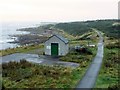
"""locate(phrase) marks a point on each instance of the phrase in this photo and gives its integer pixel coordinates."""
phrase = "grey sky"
(58, 10)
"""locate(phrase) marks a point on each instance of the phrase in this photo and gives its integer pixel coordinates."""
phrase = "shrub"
(20, 74)
(84, 51)
(108, 64)
(114, 87)
(43, 53)
(24, 63)
(25, 47)
(111, 46)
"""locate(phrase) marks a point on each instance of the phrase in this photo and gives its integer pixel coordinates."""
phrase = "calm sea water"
(7, 29)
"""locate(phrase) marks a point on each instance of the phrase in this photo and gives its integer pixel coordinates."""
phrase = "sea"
(7, 29)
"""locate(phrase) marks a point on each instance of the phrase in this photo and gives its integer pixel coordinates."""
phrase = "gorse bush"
(16, 70)
(113, 56)
(114, 86)
(84, 51)
(13, 64)
(115, 45)
(25, 74)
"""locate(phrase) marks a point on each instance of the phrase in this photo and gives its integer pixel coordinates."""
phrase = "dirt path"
(89, 79)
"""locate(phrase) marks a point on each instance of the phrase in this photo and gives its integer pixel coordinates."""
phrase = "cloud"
(59, 10)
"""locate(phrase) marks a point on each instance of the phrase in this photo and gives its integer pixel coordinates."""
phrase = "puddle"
(35, 60)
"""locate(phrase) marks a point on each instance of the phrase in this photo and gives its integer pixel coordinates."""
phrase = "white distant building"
(91, 45)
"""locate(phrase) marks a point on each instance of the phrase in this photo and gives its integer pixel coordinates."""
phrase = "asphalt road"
(89, 79)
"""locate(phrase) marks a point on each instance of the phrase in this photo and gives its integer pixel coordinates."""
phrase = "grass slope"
(109, 27)
(109, 76)
(22, 49)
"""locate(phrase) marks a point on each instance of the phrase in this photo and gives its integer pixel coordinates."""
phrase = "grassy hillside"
(109, 73)
(109, 27)
(74, 28)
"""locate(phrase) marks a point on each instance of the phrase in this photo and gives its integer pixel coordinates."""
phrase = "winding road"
(89, 79)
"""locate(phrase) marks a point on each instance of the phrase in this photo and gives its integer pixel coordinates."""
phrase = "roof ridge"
(61, 38)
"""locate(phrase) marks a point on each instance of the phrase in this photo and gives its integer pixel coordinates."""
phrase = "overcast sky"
(57, 10)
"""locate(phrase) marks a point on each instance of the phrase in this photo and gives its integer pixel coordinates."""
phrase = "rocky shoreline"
(29, 39)
(37, 35)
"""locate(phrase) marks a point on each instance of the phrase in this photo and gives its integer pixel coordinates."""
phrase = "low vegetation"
(73, 28)
(85, 39)
(88, 52)
(27, 75)
(22, 49)
(109, 73)
(80, 57)
(109, 27)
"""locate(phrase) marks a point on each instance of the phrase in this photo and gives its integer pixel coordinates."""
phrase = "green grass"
(77, 57)
(89, 37)
(108, 76)
(65, 34)
(28, 75)
(22, 49)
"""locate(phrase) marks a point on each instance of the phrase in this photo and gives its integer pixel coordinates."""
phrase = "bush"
(108, 64)
(43, 53)
(84, 51)
(24, 63)
(20, 74)
(114, 87)
(38, 76)
(111, 46)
